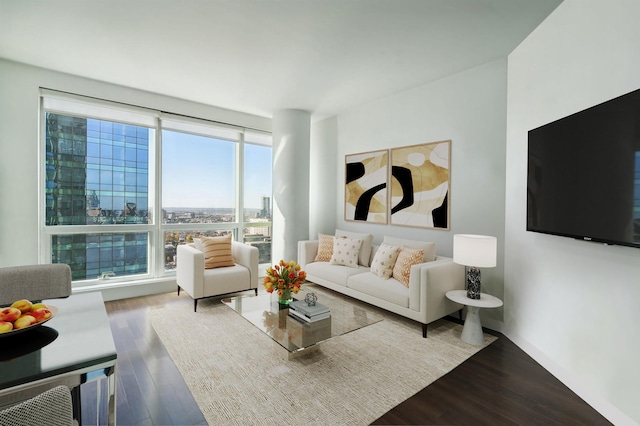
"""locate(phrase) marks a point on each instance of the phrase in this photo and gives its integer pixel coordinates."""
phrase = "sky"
(200, 171)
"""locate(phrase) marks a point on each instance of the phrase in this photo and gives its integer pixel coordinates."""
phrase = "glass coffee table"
(297, 336)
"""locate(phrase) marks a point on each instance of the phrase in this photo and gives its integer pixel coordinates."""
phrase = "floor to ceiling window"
(257, 194)
(123, 186)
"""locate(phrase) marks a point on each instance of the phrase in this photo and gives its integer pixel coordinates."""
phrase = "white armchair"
(199, 282)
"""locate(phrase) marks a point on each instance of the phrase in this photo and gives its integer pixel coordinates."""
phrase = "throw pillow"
(197, 242)
(364, 253)
(217, 252)
(345, 252)
(406, 259)
(429, 248)
(325, 248)
(384, 260)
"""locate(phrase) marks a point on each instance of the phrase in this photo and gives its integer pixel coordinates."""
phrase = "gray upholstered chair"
(34, 282)
(52, 408)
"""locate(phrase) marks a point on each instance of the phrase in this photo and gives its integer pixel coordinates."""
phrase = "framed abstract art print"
(420, 185)
(365, 193)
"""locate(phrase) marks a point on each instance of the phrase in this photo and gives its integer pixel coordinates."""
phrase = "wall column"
(291, 142)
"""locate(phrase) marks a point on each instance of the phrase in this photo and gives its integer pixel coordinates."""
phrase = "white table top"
(485, 301)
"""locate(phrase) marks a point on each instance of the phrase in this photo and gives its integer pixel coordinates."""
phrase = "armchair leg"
(178, 290)
(195, 305)
(424, 330)
(256, 290)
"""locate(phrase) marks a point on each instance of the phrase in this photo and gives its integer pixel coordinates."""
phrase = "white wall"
(573, 305)
(468, 108)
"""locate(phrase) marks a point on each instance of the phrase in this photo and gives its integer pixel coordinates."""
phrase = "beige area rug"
(238, 375)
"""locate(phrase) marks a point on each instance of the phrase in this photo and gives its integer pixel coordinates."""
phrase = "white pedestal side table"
(472, 331)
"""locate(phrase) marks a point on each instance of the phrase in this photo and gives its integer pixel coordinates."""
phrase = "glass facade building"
(97, 173)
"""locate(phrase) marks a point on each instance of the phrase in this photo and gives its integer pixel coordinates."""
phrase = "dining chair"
(52, 408)
(34, 282)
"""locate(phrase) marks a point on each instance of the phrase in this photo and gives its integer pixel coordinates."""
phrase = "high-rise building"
(97, 173)
(265, 212)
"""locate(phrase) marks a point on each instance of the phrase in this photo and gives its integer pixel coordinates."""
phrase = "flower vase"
(285, 298)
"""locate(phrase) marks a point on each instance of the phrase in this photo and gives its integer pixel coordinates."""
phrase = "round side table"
(472, 330)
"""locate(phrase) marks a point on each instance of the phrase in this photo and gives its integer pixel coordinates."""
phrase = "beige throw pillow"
(364, 253)
(217, 252)
(406, 259)
(325, 248)
(428, 247)
(384, 260)
(345, 252)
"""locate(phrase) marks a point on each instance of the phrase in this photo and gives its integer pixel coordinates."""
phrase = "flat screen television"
(583, 174)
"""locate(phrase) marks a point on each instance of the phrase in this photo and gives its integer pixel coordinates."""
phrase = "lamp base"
(473, 282)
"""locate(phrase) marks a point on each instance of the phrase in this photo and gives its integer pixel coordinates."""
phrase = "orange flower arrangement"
(284, 278)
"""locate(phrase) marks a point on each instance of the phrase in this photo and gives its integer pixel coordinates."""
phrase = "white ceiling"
(260, 56)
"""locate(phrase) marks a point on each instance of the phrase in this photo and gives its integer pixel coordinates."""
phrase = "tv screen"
(583, 174)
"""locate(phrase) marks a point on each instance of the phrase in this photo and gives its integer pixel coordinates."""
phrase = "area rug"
(238, 375)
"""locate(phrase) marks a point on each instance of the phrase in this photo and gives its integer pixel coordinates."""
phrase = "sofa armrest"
(190, 270)
(247, 256)
(307, 251)
(432, 280)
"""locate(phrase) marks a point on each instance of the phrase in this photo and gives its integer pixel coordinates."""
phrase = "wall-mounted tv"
(583, 174)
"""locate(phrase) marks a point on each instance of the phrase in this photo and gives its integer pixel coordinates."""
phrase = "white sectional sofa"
(423, 300)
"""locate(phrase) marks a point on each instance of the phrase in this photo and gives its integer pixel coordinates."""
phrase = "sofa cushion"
(428, 247)
(334, 273)
(407, 257)
(365, 249)
(217, 252)
(390, 290)
(325, 248)
(345, 252)
(384, 260)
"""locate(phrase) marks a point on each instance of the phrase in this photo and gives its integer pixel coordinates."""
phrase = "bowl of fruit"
(24, 315)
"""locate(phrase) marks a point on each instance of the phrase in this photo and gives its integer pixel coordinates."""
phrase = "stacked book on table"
(299, 309)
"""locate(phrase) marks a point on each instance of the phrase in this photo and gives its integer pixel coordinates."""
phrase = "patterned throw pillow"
(384, 260)
(365, 249)
(325, 248)
(217, 252)
(345, 252)
(406, 259)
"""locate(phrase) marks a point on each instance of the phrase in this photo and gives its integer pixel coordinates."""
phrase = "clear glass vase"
(286, 297)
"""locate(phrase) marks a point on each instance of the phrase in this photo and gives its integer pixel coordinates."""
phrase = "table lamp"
(474, 251)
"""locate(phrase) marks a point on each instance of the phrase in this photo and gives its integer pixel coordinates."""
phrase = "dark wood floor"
(500, 385)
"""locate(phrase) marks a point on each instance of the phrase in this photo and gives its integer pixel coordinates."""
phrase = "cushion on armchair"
(217, 252)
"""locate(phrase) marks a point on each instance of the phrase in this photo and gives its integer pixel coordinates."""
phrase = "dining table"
(75, 345)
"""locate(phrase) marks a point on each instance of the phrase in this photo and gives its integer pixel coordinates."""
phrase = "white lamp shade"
(475, 250)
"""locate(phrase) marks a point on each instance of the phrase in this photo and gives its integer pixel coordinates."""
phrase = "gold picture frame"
(366, 182)
(420, 185)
